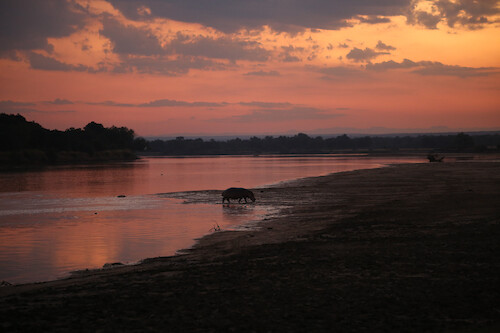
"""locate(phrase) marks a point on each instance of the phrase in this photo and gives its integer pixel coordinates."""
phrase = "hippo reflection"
(237, 193)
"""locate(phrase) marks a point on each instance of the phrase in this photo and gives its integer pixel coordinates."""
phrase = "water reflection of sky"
(66, 218)
(45, 238)
(161, 175)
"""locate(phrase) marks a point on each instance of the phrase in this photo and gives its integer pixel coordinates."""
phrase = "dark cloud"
(129, 39)
(281, 115)
(219, 48)
(359, 55)
(437, 68)
(22, 110)
(472, 14)
(175, 103)
(288, 53)
(391, 64)
(268, 105)
(16, 110)
(26, 24)
(170, 102)
(262, 73)
(339, 71)
(384, 47)
(39, 61)
(11, 55)
(434, 68)
(9, 104)
(289, 58)
(430, 21)
(373, 19)
(162, 103)
(166, 65)
(59, 101)
(111, 103)
(287, 15)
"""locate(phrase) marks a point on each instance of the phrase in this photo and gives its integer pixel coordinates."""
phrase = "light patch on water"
(25, 203)
(43, 238)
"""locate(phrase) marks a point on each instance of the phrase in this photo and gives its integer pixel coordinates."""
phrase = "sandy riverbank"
(404, 248)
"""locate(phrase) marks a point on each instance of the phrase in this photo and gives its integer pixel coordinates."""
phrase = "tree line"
(305, 144)
(23, 142)
(28, 142)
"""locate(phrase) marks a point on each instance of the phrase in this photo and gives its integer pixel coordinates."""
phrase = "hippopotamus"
(237, 193)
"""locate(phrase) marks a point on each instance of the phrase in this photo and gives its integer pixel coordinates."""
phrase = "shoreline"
(380, 248)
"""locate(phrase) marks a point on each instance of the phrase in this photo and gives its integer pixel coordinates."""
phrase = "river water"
(60, 219)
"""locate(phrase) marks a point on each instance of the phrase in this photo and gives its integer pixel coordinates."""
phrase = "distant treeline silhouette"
(23, 142)
(304, 144)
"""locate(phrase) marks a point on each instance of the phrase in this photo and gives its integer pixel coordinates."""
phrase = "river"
(65, 218)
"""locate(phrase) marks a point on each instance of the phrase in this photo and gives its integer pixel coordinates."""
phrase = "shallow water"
(61, 219)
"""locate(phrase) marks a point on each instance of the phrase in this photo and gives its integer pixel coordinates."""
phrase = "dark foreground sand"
(404, 248)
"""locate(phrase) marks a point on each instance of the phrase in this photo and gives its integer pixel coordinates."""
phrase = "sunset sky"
(226, 67)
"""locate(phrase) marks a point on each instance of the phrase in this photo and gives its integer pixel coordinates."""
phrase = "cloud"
(27, 24)
(437, 68)
(10, 104)
(288, 53)
(472, 14)
(219, 48)
(175, 103)
(384, 47)
(268, 105)
(468, 13)
(130, 39)
(169, 102)
(430, 21)
(358, 55)
(161, 103)
(434, 68)
(23, 110)
(111, 103)
(287, 15)
(59, 101)
(263, 73)
(10, 54)
(165, 65)
(391, 64)
(39, 61)
(12, 107)
(339, 71)
(373, 19)
(281, 115)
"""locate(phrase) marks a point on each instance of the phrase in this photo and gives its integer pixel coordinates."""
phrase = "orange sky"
(194, 67)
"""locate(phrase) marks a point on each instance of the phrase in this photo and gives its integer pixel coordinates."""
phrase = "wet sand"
(404, 248)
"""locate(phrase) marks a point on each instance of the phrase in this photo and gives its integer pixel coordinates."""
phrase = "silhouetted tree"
(17, 134)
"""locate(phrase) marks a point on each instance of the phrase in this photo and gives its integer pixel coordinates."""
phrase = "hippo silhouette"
(237, 193)
(435, 158)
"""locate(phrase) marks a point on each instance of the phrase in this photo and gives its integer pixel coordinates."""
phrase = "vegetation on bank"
(28, 143)
(304, 144)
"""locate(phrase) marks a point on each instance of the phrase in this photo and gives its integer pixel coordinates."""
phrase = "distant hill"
(23, 142)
